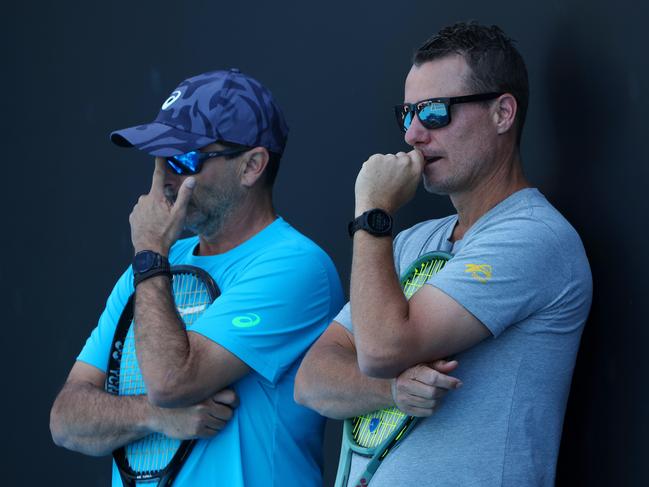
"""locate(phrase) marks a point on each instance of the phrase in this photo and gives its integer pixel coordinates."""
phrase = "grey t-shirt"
(521, 269)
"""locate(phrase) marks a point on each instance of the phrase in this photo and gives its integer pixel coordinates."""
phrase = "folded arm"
(330, 382)
(87, 419)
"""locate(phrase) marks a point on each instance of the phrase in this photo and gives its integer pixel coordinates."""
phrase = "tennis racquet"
(377, 433)
(156, 456)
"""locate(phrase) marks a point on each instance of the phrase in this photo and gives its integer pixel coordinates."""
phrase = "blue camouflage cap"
(225, 106)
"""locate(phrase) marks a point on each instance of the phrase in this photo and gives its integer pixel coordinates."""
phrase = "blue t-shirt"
(279, 291)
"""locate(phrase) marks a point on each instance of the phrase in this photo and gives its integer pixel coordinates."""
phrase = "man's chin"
(190, 230)
(194, 228)
(437, 189)
(194, 222)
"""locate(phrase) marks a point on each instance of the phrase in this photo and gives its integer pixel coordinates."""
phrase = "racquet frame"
(167, 475)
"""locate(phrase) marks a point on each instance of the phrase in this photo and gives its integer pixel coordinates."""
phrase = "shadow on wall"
(584, 82)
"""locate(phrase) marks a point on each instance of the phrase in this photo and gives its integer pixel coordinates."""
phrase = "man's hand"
(388, 181)
(202, 420)
(155, 222)
(417, 390)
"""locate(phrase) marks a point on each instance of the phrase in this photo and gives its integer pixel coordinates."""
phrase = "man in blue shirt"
(227, 379)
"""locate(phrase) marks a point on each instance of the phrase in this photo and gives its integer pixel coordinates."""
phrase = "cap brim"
(158, 139)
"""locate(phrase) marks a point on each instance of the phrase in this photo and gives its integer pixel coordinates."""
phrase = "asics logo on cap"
(169, 101)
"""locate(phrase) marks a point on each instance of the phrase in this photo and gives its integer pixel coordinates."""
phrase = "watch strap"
(159, 266)
(138, 278)
(366, 220)
(353, 226)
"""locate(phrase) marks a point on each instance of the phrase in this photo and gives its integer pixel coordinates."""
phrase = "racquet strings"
(154, 452)
(372, 429)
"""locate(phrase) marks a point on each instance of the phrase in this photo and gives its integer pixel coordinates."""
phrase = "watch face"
(143, 261)
(379, 221)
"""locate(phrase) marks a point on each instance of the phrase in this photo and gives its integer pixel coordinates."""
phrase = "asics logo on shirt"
(480, 272)
(246, 321)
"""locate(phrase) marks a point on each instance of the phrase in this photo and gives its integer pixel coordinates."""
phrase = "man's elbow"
(319, 405)
(70, 443)
(176, 391)
(309, 393)
(166, 391)
(298, 391)
(301, 390)
(167, 396)
(63, 437)
(380, 365)
(57, 429)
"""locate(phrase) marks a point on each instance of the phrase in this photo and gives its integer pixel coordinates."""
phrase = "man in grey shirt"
(509, 307)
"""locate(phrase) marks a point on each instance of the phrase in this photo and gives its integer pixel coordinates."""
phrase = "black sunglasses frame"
(182, 169)
(404, 109)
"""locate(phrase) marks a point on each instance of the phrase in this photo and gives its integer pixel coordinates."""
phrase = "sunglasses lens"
(433, 115)
(178, 169)
(404, 116)
(190, 162)
(407, 120)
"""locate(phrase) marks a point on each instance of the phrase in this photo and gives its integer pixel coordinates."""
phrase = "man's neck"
(250, 218)
(507, 179)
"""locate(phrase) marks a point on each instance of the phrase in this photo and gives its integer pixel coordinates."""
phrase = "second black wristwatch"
(375, 222)
(148, 263)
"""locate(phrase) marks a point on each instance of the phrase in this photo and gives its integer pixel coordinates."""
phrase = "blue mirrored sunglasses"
(434, 113)
(192, 162)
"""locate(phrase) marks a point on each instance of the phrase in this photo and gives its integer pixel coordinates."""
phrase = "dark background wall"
(75, 71)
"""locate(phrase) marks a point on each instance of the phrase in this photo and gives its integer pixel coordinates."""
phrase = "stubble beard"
(208, 211)
(440, 188)
(460, 179)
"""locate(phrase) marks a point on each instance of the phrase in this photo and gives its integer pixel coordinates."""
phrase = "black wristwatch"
(375, 222)
(148, 263)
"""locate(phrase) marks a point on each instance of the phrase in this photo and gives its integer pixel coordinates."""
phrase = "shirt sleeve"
(95, 351)
(344, 317)
(275, 311)
(506, 273)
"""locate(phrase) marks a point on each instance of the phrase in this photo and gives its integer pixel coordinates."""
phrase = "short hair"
(496, 65)
(270, 173)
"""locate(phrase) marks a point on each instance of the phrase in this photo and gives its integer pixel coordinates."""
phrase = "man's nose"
(417, 134)
(171, 176)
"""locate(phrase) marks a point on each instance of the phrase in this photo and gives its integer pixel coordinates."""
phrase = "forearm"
(87, 419)
(179, 368)
(379, 308)
(161, 339)
(330, 382)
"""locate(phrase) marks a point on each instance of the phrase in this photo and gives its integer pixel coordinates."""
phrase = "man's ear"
(504, 115)
(254, 164)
